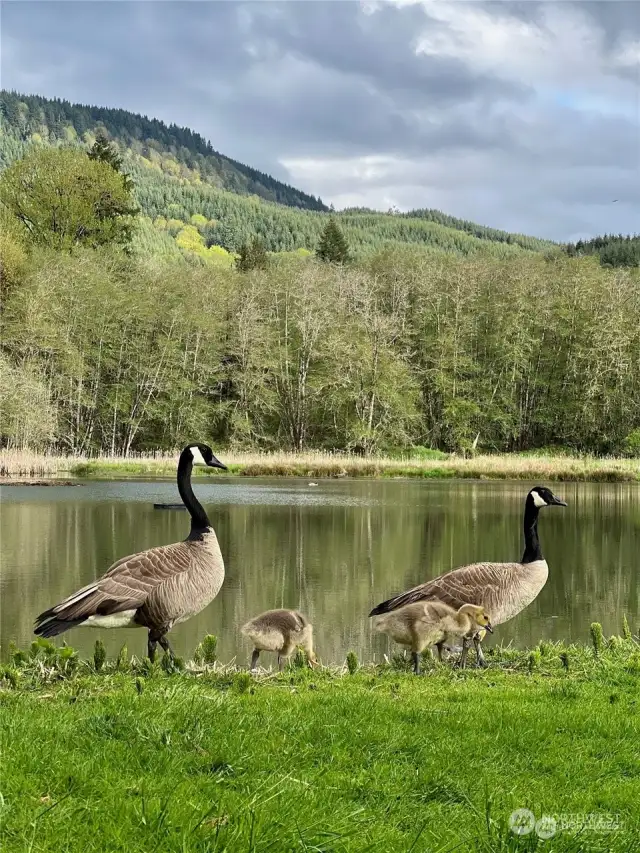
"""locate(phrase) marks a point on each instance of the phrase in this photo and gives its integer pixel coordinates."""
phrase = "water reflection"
(332, 551)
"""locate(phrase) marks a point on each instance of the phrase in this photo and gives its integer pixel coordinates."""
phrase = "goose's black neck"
(532, 550)
(199, 519)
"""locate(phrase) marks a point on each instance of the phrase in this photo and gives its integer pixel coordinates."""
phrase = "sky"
(519, 115)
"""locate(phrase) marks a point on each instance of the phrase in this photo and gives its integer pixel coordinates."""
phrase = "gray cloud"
(525, 116)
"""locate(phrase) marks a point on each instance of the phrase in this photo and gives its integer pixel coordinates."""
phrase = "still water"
(331, 550)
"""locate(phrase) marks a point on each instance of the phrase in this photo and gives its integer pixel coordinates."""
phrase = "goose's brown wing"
(126, 585)
(479, 583)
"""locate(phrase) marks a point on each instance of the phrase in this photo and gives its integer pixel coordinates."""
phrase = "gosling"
(428, 623)
(280, 631)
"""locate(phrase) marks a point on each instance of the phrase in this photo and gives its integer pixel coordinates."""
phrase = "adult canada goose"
(155, 589)
(503, 589)
(426, 623)
(280, 631)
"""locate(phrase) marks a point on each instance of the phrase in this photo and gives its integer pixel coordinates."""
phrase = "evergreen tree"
(105, 152)
(252, 256)
(333, 247)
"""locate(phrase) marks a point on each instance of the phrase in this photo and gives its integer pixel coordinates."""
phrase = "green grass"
(133, 759)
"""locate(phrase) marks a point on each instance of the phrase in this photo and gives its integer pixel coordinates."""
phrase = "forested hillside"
(178, 149)
(196, 201)
(127, 331)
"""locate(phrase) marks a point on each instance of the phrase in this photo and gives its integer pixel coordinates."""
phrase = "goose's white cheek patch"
(198, 458)
(538, 499)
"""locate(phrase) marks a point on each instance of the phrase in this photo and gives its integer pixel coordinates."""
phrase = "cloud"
(524, 116)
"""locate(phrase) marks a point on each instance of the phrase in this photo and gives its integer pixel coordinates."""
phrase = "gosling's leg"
(439, 647)
(254, 658)
(480, 661)
(466, 642)
(415, 657)
(280, 662)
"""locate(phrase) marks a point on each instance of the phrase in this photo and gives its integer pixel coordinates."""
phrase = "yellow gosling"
(428, 623)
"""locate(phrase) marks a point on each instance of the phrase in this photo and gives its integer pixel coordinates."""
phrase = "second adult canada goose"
(503, 589)
(155, 589)
(426, 623)
(280, 631)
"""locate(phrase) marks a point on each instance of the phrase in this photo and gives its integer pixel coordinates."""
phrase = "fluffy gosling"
(280, 631)
(426, 623)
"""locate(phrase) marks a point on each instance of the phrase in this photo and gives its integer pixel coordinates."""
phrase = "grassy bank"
(132, 758)
(316, 464)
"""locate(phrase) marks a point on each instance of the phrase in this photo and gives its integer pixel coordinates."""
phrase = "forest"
(135, 318)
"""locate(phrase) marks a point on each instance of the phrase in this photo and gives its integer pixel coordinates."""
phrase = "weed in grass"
(597, 638)
(122, 661)
(352, 663)
(633, 664)
(242, 682)
(99, 655)
(207, 650)
(626, 630)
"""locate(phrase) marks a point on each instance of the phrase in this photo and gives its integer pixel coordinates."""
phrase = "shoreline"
(33, 469)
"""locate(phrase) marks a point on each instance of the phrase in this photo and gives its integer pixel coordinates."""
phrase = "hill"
(55, 120)
(195, 199)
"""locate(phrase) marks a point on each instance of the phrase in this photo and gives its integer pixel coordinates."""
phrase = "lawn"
(132, 758)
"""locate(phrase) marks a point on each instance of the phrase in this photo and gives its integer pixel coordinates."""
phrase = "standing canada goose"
(155, 589)
(426, 623)
(280, 631)
(503, 589)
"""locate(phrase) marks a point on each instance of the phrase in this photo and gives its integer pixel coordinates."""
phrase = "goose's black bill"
(216, 463)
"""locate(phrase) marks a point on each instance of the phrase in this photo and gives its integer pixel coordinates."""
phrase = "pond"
(332, 550)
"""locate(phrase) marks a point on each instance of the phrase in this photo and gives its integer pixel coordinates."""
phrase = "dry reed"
(21, 464)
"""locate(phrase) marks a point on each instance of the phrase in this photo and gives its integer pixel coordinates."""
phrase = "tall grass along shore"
(125, 756)
(24, 465)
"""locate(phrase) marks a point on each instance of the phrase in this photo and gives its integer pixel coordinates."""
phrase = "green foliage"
(420, 356)
(63, 199)
(534, 660)
(99, 655)
(333, 247)
(612, 250)
(242, 682)
(352, 663)
(626, 630)
(176, 151)
(565, 659)
(597, 638)
(207, 651)
(105, 152)
(252, 256)
(632, 443)
(9, 675)
(122, 661)
(300, 659)
(633, 664)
